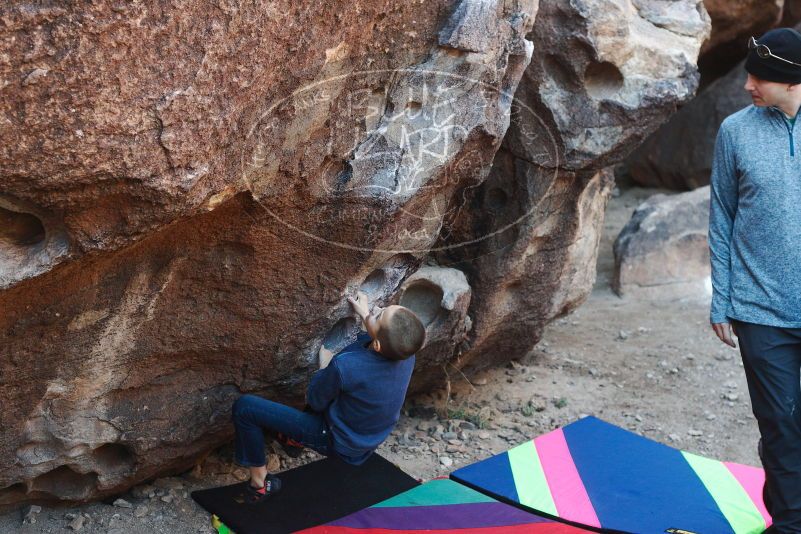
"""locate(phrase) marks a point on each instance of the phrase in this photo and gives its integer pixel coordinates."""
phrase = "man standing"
(755, 252)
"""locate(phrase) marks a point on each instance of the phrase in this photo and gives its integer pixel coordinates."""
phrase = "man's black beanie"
(785, 43)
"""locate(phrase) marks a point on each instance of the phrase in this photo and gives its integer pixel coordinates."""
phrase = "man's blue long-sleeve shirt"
(361, 394)
(755, 219)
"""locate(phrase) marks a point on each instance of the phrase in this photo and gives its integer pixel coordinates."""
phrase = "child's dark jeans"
(252, 414)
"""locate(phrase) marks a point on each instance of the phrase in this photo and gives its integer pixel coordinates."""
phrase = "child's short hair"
(402, 334)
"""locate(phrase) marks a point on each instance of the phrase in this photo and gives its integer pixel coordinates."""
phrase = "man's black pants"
(772, 362)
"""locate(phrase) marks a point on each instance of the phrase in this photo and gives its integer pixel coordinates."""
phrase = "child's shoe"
(253, 495)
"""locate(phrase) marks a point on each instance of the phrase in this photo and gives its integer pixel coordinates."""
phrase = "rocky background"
(191, 191)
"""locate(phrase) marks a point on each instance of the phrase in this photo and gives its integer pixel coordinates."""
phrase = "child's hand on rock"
(325, 356)
(360, 305)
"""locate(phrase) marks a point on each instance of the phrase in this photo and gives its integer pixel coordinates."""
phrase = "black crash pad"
(310, 495)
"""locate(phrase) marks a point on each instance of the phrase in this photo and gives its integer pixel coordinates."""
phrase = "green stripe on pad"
(221, 527)
(532, 488)
(435, 492)
(732, 499)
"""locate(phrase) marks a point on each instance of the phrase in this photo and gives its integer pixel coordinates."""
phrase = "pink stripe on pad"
(567, 489)
(751, 479)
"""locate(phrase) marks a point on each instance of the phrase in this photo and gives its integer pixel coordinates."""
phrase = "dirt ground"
(654, 367)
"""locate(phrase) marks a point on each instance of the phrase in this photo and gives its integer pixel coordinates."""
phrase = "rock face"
(533, 265)
(663, 252)
(606, 75)
(191, 191)
(31, 242)
(679, 154)
(791, 13)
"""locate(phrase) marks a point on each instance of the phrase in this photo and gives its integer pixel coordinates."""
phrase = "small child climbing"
(354, 400)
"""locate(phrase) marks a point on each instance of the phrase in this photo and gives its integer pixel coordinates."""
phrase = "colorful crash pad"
(596, 474)
(442, 506)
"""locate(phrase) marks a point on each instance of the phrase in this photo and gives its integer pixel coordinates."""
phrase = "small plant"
(457, 413)
(531, 407)
(478, 418)
(561, 402)
(528, 409)
(465, 415)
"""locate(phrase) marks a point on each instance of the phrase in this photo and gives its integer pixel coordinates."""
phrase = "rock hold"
(440, 296)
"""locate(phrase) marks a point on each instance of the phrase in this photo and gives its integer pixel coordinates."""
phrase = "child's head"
(396, 331)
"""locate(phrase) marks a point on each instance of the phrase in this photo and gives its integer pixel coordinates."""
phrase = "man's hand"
(724, 331)
(325, 356)
(360, 305)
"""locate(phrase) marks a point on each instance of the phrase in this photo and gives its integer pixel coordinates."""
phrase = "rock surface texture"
(191, 190)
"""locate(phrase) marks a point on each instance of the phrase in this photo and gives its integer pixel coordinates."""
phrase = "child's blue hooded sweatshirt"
(755, 219)
(361, 394)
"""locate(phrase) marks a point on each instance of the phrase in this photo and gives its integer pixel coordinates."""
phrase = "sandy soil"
(654, 367)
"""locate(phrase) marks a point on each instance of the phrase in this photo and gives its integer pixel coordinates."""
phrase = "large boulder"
(536, 260)
(663, 251)
(191, 190)
(606, 75)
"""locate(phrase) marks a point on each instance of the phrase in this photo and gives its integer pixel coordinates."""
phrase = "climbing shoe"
(254, 495)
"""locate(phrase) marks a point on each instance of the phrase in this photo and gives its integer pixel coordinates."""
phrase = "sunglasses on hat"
(764, 52)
